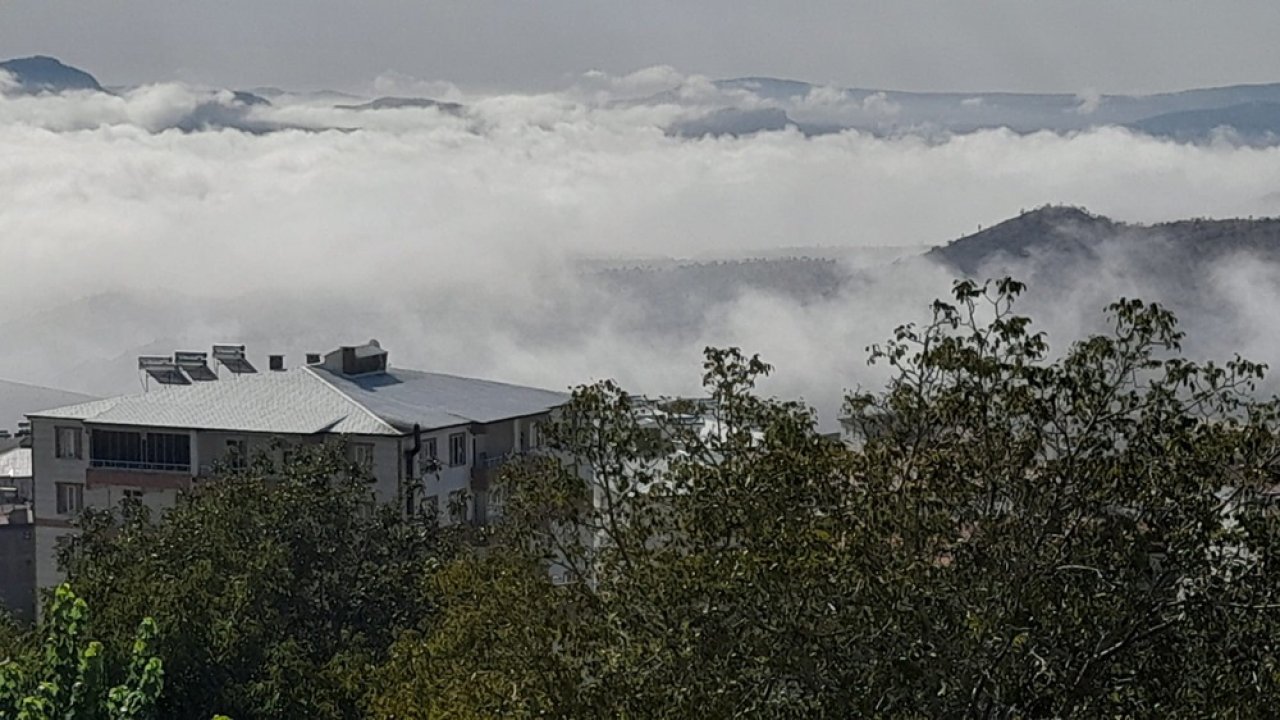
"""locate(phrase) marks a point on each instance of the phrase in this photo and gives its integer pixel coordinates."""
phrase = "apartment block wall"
(18, 570)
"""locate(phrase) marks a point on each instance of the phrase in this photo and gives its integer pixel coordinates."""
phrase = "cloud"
(879, 105)
(639, 84)
(396, 84)
(465, 244)
(824, 96)
(1090, 100)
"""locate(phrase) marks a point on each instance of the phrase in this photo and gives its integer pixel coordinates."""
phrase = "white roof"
(307, 401)
(15, 463)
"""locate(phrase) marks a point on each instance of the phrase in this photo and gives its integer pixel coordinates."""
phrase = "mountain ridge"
(41, 73)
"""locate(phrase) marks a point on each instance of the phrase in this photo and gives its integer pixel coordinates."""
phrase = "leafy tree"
(1018, 534)
(276, 590)
(15, 639)
(70, 678)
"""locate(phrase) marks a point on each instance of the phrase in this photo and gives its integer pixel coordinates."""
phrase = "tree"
(70, 678)
(1018, 535)
(276, 590)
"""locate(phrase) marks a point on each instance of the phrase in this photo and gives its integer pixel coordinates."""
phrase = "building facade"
(17, 531)
(432, 442)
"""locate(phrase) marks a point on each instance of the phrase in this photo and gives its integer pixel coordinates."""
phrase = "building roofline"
(311, 371)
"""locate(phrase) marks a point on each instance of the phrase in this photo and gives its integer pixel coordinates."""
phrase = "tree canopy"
(275, 589)
(1016, 534)
(1012, 532)
(70, 676)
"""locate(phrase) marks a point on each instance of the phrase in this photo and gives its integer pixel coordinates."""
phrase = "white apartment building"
(158, 443)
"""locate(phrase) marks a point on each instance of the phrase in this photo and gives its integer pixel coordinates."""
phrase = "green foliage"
(1017, 535)
(70, 677)
(276, 590)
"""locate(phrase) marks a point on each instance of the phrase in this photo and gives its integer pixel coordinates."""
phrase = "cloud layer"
(460, 241)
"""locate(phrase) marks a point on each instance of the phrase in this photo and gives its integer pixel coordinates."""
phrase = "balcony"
(486, 466)
(171, 477)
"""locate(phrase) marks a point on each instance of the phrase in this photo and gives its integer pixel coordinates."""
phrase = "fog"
(461, 241)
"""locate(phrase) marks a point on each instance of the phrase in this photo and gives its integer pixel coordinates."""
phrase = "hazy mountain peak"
(41, 73)
(1059, 228)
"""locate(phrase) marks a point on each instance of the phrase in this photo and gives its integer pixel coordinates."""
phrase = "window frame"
(236, 453)
(140, 450)
(459, 507)
(64, 494)
(363, 448)
(458, 451)
(77, 443)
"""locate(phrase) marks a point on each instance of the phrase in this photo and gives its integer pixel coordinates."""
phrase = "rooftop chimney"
(276, 362)
(357, 359)
(313, 358)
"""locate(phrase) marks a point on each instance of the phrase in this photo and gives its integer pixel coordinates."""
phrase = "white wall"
(449, 478)
(49, 469)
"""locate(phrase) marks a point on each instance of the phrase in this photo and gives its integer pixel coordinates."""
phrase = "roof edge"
(311, 371)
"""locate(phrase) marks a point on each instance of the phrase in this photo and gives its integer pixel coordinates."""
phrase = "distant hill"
(732, 121)
(18, 399)
(1065, 231)
(396, 103)
(817, 109)
(1256, 122)
(1062, 240)
(309, 96)
(251, 99)
(45, 74)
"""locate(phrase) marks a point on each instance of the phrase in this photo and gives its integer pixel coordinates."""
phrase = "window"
(497, 503)
(153, 451)
(66, 443)
(70, 498)
(362, 455)
(236, 455)
(133, 494)
(429, 450)
(458, 506)
(457, 449)
(167, 451)
(113, 448)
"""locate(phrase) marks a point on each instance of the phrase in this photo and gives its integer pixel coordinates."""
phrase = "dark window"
(152, 451)
(167, 451)
(458, 449)
(113, 448)
(67, 442)
(237, 456)
(70, 498)
(458, 506)
(362, 454)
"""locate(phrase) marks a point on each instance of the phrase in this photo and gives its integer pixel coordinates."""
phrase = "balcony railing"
(141, 465)
(496, 460)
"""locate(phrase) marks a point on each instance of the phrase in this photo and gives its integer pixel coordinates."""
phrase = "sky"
(458, 241)
(464, 242)
(1072, 46)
